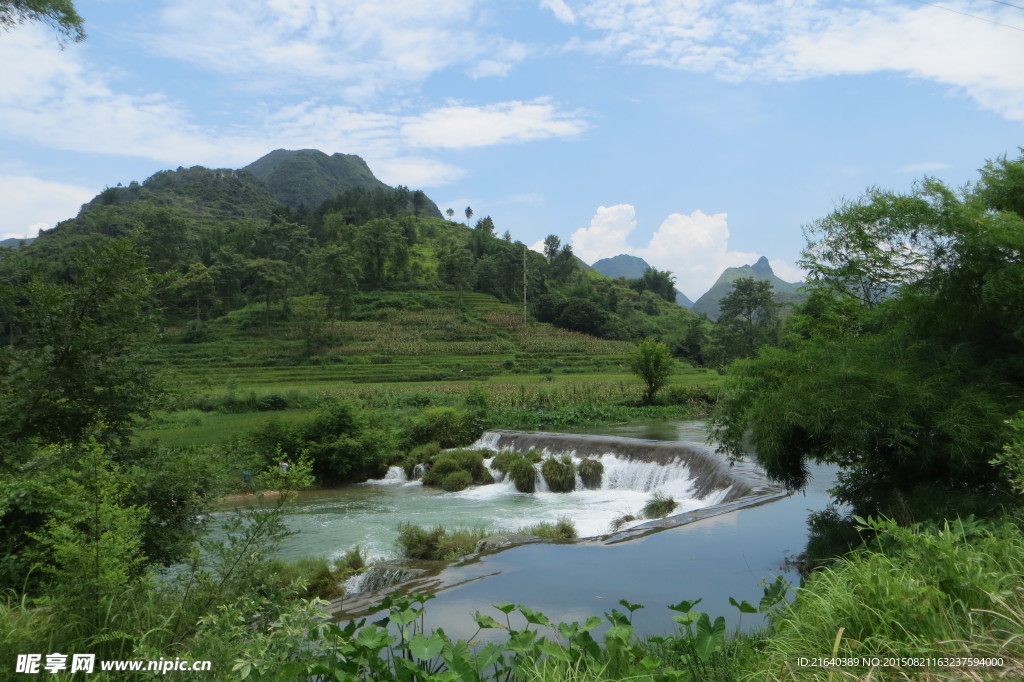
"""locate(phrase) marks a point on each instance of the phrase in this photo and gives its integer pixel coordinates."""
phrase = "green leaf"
(629, 606)
(684, 606)
(743, 606)
(486, 622)
(505, 607)
(426, 648)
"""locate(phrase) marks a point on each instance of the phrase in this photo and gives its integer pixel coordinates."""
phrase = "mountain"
(631, 267)
(785, 292)
(308, 177)
(623, 265)
(15, 242)
(283, 178)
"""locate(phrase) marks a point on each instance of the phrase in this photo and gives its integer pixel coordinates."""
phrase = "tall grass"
(919, 592)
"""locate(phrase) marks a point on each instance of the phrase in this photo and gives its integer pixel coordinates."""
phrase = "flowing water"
(738, 531)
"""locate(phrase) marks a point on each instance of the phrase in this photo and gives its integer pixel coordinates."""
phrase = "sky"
(697, 135)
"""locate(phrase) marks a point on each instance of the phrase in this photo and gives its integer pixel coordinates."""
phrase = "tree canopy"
(908, 359)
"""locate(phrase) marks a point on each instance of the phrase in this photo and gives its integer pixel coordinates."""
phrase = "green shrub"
(591, 472)
(522, 474)
(438, 543)
(562, 529)
(660, 505)
(446, 426)
(313, 576)
(559, 473)
(456, 481)
(447, 463)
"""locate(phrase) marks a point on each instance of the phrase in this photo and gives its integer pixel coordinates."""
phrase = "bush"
(660, 505)
(445, 464)
(591, 473)
(522, 474)
(446, 426)
(560, 474)
(456, 481)
(562, 529)
(438, 543)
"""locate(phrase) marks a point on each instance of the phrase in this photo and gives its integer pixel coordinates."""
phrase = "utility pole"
(524, 283)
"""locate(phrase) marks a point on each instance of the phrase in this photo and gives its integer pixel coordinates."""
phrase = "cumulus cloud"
(607, 234)
(694, 247)
(786, 40)
(31, 204)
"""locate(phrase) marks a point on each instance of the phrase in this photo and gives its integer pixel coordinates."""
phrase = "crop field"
(393, 352)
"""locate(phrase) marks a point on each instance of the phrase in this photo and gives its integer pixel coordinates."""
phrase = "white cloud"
(459, 126)
(607, 234)
(924, 167)
(57, 99)
(694, 247)
(31, 204)
(367, 47)
(797, 39)
(560, 10)
(787, 272)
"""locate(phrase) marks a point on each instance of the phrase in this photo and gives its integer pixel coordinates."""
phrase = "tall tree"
(748, 319)
(79, 356)
(469, 213)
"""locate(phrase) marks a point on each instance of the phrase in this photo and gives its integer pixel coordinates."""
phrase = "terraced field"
(438, 339)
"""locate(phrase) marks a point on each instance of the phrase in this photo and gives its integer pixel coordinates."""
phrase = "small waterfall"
(418, 471)
(394, 476)
(630, 463)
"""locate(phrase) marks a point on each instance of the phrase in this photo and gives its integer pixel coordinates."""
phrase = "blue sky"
(697, 135)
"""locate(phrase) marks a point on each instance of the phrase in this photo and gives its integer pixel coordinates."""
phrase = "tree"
(450, 213)
(382, 250)
(60, 14)
(867, 249)
(662, 283)
(469, 213)
(908, 393)
(551, 245)
(79, 355)
(455, 268)
(748, 318)
(652, 362)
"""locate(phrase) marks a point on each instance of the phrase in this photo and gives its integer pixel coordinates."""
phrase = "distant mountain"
(623, 265)
(785, 292)
(15, 242)
(309, 177)
(631, 267)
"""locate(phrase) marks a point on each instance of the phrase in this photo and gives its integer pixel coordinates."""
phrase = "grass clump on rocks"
(559, 473)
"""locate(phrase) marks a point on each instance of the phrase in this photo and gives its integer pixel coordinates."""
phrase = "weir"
(636, 464)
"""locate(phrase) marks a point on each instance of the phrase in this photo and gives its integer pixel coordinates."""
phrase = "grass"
(447, 544)
(659, 506)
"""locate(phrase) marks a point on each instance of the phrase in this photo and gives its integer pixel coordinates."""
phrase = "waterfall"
(687, 469)
(394, 476)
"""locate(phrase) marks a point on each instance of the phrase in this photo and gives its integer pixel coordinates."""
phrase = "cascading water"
(333, 521)
(691, 469)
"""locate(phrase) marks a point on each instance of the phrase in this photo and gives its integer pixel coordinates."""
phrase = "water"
(715, 558)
